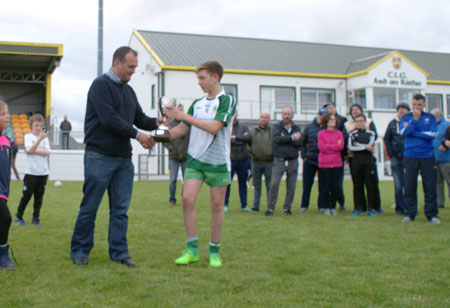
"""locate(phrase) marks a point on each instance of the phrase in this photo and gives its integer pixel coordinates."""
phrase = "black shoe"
(268, 213)
(441, 206)
(255, 209)
(288, 212)
(80, 261)
(128, 262)
(342, 207)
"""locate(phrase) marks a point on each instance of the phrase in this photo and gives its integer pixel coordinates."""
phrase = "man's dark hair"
(326, 118)
(361, 115)
(121, 52)
(418, 97)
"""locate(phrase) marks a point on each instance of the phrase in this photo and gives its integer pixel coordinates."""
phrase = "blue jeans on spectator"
(397, 174)
(101, 173)
(428, 173)
(309, 174)
(258, 170)
(241, 167)
(174, 166)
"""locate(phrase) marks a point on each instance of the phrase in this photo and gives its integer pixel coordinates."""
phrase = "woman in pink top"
(331, 143)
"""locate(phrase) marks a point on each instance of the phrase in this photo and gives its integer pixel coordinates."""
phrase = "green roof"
(276, 56)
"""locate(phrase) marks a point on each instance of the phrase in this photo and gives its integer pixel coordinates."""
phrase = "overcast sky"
(400, 24)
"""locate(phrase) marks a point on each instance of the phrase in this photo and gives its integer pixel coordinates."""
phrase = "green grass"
(306, 260)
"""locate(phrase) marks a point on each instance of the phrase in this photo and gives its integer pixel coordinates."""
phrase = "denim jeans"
(427, 168)
(174, 166)
(241, 167)
(101, 173)
(258, 170)
(397, 174)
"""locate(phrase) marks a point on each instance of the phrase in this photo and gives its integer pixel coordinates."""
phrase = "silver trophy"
(162, 134)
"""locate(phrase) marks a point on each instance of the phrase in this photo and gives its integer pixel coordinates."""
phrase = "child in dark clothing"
(363, 167)
(5, 176)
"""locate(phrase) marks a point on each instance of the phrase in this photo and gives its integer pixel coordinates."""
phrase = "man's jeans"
(443, 176)
(279, 167)
(174, 166)
(258, 170)
(241, 167)
(427, 169)
(101, 173)
(397, 174)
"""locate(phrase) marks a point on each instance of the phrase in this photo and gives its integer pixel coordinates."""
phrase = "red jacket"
(331, 143)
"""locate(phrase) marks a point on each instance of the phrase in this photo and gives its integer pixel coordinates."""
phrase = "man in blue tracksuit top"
(419, 129)
(112, 111)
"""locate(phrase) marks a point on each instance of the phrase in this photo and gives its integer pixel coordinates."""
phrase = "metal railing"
(63, 141)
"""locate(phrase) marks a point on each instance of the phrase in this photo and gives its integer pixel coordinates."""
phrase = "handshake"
(146, 141)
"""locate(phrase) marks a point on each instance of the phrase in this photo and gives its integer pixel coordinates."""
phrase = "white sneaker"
(327, 212)
(334, 212)
(406, 219)
(435, 220)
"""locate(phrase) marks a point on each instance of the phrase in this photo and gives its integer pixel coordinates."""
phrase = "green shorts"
(212, 178)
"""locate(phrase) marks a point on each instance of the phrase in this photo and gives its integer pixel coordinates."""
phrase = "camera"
(44, 128)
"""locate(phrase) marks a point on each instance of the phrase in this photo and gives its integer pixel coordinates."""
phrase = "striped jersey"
(207, 151)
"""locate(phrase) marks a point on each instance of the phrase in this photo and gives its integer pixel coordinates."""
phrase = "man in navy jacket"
(419, 129)
(112, 111)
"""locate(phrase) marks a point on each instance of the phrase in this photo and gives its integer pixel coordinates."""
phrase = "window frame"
(333, 90)
(274, 112)
(434, 94)
(235, 85)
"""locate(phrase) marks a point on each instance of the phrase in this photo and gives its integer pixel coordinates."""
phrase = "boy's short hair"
(212, 67)
(418, 97)
(361, 115)
(36, 118)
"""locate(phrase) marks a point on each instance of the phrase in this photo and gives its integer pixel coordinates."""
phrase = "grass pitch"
(305, 260)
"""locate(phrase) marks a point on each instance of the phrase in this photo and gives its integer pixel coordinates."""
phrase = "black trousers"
(309, 173)
(427, 169)
(32, 185)
(5, 222)
(365, 177)
(329, 186)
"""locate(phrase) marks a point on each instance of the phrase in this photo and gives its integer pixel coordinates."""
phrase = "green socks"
(214, 248)
(192, 244)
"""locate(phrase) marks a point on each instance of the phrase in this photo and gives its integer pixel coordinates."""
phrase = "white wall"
(183, 86)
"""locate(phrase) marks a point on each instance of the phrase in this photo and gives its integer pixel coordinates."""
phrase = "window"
(273, 100)
(388, 98)
(448, 106)
(384, 98)
(433, 101)
(406, 95)
(357, 97)
(313, 99)
(230, 89)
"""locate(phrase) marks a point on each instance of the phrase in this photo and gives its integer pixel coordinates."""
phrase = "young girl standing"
(5, 176)
(330, 142)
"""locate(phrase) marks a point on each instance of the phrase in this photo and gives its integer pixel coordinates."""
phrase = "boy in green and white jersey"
(208, 157)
